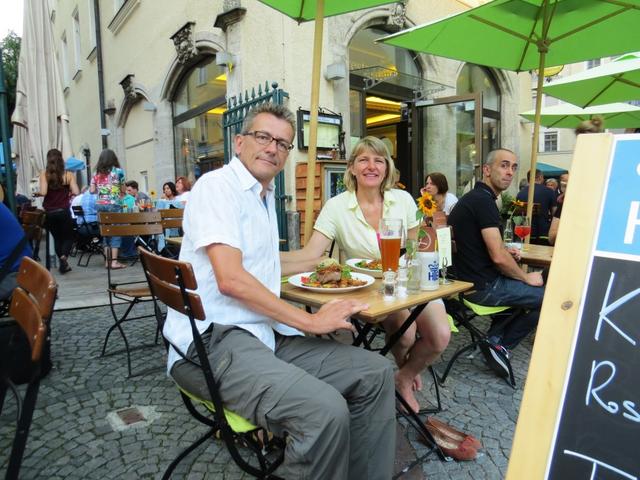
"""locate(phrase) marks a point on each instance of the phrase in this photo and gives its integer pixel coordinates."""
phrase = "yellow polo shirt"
(342, 219)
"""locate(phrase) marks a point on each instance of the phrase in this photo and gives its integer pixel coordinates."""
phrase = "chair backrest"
(33, 223)
(164, 283)
(38, 282)
(129, 224)
(78, 211)
(172, 217)
(27, 313)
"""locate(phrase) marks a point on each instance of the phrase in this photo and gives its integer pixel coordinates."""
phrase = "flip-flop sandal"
(118, 267)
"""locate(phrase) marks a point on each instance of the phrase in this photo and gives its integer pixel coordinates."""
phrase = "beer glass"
(390, 239)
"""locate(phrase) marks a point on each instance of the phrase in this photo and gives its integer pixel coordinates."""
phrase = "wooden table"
(537, 255)
(378, 309)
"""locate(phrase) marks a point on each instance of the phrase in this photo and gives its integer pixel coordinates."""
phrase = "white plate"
(296, 280)
(352, 263)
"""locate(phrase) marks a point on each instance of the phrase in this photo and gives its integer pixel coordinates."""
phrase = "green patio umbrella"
(522, 35)
(617, 81)
(615, 115)
(317, 10)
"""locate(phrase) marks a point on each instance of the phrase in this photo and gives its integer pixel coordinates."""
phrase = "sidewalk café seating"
(88, 240)
(463, 312)
(31, 306)
(172, 282)
(131, 292)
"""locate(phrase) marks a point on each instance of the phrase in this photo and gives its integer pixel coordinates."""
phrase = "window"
(92, 23)
(551, 141)
(76, 40)
(593, 63)
(198, 106)
(64, 60)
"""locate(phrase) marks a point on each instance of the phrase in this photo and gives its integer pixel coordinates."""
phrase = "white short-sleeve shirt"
(450, 201)
(225, 207)
(342, 219)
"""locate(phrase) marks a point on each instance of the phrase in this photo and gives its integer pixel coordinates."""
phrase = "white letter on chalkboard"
(611, 407)
(597, 463)
(631, 407)
(607, 309)
(632, 222)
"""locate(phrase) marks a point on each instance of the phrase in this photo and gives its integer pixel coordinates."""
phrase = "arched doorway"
(382, 79)
(455, 134)
(198, 105)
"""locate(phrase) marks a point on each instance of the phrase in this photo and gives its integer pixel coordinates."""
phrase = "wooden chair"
(131, 292)
(88, 240)
(173, 283)
(171, 218)
(32, 306)
(33, 226)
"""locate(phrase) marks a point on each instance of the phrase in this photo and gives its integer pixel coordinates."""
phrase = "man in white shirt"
(335, 402)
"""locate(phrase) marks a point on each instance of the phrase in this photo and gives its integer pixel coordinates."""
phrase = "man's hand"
(515, 253)
(335, 315)
(534, 279)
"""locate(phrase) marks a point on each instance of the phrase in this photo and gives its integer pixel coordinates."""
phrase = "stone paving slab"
(71, 437)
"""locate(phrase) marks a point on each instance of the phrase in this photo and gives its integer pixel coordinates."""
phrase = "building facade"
(169, 70)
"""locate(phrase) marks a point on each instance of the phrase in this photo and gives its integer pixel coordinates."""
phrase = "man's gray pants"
(335, 402)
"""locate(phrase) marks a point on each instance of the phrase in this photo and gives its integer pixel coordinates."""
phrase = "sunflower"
(427, 205)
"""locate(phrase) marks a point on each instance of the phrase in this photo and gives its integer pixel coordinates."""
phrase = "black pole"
(103, 115)
(4, 132)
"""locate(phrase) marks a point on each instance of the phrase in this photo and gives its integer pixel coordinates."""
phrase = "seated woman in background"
(436, 184)
(169, 191)
(183, 187)
(352, 220)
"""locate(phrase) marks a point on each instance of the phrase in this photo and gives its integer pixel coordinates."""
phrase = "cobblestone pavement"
(71, 436)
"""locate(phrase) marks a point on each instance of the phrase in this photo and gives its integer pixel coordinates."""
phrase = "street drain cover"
(132, 417)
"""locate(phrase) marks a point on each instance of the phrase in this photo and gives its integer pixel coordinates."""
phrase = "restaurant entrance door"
(448, 139)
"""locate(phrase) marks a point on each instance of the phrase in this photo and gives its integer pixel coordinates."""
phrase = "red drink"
(390, 252)
(522, 231)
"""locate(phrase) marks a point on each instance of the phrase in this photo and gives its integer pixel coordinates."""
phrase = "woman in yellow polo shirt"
(351, 219)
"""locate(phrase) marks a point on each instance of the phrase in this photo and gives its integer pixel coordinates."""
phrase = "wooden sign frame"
(553, 351)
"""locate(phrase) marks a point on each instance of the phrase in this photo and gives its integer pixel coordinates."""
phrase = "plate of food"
(366, 265)
(331, 277)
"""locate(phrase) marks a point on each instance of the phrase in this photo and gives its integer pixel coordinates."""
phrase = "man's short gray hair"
(278, 111)
(491, 157)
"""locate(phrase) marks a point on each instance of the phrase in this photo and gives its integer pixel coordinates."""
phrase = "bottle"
(507, 234)
(403, 278)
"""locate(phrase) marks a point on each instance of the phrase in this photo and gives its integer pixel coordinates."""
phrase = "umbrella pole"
(313, 121)
(534, 141)
(4, 132)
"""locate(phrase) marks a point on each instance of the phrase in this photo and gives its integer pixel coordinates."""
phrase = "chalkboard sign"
(585, 423)
(599, 426)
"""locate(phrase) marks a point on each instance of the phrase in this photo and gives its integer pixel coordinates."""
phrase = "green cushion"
(484, 310)
(237, 423)
(452, 325)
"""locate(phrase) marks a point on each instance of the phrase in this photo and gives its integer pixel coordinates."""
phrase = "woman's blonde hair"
(378, 147)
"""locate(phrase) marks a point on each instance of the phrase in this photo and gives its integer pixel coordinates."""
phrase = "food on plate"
(330, 274)
(370, 264)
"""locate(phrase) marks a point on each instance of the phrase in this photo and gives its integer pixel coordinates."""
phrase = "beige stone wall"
(266, 45)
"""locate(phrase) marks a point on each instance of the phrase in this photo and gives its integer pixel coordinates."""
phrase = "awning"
(550, 170)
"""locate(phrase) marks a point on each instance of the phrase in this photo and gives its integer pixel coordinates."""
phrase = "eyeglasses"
(264, 138)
